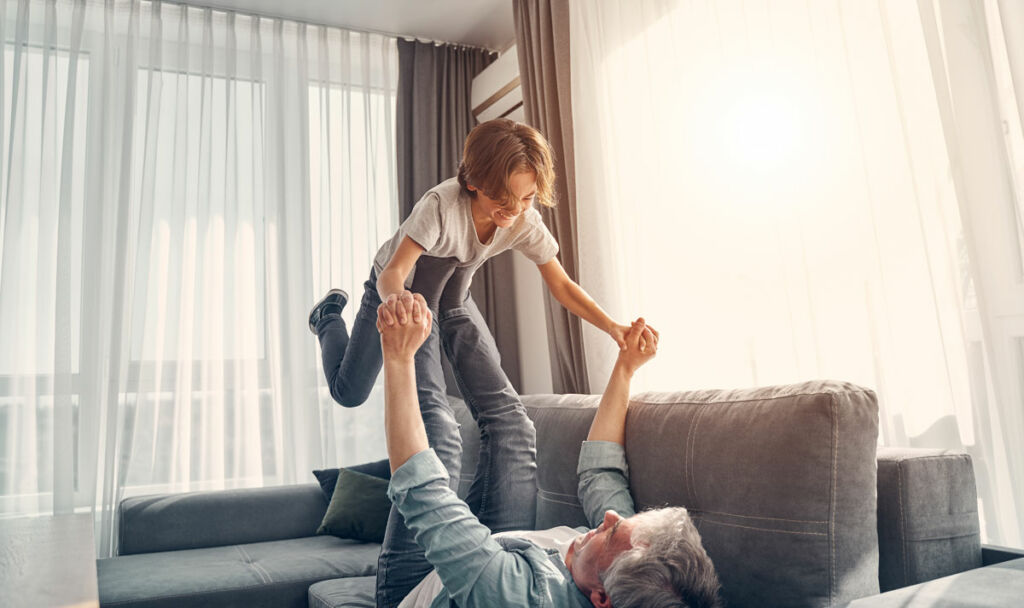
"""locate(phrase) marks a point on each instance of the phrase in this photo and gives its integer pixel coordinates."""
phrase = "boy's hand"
(391, 301)
(641, 347)
(619, 333)
(404, 324)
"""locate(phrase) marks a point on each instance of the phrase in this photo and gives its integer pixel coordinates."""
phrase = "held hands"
(404, 322)
(641, 345)
(620, 333)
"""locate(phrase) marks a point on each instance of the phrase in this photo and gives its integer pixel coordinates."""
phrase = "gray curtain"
(433, 117)
(542, 41)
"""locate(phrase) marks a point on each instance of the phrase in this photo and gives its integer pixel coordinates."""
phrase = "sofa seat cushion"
(996, 585)
(355, 592)
(276, 573)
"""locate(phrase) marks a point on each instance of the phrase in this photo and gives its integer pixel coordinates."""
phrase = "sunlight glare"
(761, 128)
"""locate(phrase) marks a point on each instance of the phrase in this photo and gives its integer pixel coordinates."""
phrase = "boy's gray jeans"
(503, 491)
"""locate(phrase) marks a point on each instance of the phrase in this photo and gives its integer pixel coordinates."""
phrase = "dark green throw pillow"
(359, 508)
(328, 478)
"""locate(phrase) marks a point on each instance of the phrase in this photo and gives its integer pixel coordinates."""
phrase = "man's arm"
(604, 476)
(403, 324)
(610, 422)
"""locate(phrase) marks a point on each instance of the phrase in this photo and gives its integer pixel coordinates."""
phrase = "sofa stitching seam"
(559, 494)
(954, 456)
(693, 450)
(634, 400)
(689, 460)
(903, 523)
(721, 523)
(133, 602)
(264, 577)
(952, 537)
(832, 507)
(796, 521)
(562, 502)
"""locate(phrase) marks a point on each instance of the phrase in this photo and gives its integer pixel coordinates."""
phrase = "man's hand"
(404, 323)
(641, 345)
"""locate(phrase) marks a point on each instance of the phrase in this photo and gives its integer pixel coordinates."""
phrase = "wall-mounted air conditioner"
(496, 92)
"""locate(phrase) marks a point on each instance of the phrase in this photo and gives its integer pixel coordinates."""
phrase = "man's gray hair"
(667, 566)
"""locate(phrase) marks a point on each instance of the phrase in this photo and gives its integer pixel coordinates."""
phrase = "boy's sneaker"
(330, 304)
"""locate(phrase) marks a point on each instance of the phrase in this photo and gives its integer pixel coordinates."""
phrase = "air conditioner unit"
(495, 92)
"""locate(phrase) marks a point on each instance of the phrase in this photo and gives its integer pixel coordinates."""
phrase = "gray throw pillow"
(359, 508)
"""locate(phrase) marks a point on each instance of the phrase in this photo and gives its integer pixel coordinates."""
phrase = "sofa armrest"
(169, 522)
(927, 516)
(994, 554)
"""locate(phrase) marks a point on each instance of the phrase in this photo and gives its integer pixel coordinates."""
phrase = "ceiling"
(484, 23)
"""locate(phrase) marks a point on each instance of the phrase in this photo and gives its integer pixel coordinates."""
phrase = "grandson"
(450, 232)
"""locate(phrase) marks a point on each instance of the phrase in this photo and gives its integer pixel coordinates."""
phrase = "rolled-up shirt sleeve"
(474, 568)
(604, 480)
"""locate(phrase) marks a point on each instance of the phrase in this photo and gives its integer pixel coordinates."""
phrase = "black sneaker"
(332, 303)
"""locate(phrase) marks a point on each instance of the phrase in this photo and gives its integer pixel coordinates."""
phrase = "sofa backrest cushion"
(562, 423)
(928, 523)
(194, 520)
(780, 481)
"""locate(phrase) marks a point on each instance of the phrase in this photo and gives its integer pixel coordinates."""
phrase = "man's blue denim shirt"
(477, 570)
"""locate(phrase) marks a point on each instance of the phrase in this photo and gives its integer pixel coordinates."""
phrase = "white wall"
(534, 361)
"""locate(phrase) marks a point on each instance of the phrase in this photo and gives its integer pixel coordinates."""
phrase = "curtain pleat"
(542, 42)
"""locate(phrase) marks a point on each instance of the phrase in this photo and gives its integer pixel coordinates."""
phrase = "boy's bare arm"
(391, 282)
(610, 421)
(404, 324)
(577, 301)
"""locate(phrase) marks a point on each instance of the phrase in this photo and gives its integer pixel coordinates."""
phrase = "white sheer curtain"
(792, 190)
(178, 186)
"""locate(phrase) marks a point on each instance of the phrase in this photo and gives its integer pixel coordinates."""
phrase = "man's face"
(592, 553)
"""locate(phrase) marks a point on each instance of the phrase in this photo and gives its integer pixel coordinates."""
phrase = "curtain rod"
(215, 6)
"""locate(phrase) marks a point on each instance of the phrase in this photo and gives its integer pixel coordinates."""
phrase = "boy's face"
(503, 213)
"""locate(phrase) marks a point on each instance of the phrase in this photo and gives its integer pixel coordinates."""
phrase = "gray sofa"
(794, 501)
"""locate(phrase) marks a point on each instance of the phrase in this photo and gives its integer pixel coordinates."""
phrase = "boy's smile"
(489, 211)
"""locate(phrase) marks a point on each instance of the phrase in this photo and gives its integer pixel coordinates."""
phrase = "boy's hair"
(498, 148)
(667, 565)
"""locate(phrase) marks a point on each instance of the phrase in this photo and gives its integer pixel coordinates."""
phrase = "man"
(649, 559)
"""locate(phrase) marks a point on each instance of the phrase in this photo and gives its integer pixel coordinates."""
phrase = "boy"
(452, 230)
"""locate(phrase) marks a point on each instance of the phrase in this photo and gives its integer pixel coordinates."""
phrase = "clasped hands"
(404, 322)
(640, 345)
(620, 333)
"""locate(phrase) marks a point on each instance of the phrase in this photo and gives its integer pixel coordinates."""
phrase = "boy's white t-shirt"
(442, 223)
(423, 594)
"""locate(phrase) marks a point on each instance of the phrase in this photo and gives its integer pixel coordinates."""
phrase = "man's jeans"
(503, 493)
